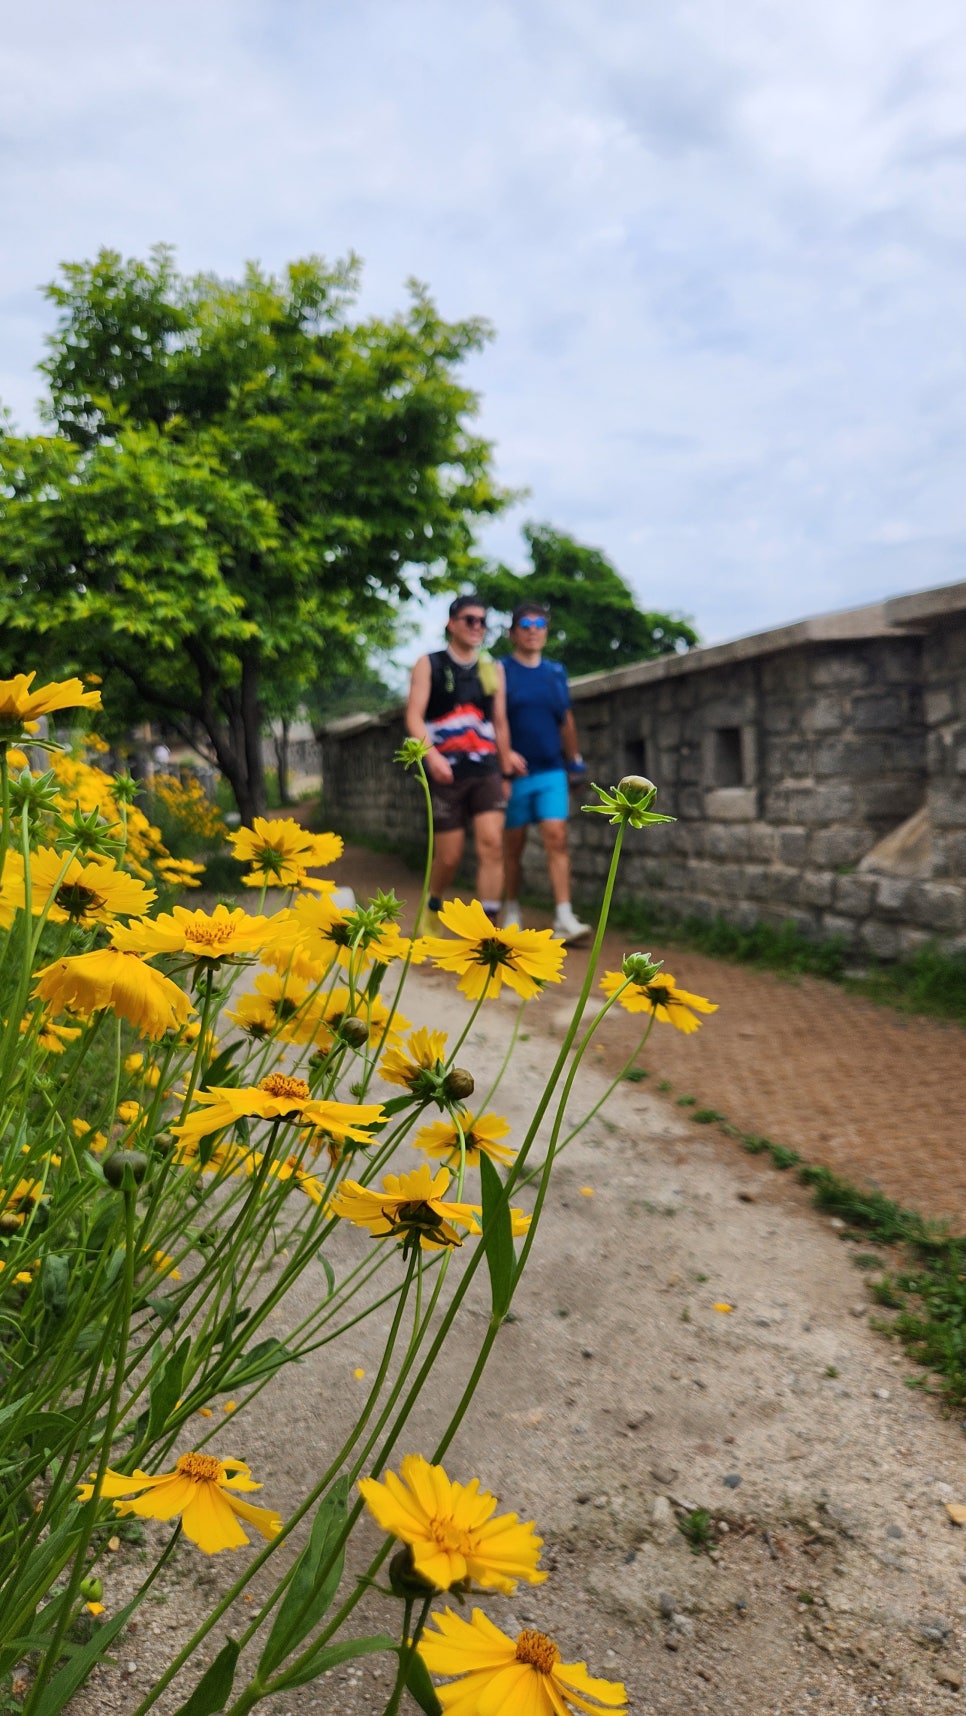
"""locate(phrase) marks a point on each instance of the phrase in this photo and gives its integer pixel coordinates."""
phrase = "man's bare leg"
(554, 837)
(514, 841)
(488, 834)
(447, 852)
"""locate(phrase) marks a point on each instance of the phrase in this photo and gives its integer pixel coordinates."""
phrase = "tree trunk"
(281, 761)
(251, 715)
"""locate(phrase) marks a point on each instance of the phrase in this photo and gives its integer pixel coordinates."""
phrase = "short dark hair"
(466, 601)
(538, 609)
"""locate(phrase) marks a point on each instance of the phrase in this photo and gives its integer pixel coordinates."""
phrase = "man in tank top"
(545, 754)
(457, 702)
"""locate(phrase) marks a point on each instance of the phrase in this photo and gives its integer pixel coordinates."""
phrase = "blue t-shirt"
(537, 699)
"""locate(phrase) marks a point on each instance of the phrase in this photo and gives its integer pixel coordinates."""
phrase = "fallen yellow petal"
(587, 1191)
(722, 1305)
(956, 1512)
(358, 1374)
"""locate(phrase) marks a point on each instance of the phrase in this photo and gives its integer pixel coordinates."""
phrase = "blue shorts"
(538, 798)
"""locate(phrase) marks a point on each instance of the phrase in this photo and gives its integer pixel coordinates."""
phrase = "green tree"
(240, 486)
(595, 623)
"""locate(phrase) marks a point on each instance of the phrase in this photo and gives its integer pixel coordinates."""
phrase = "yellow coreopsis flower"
(208, 937)
(278, 1097)
(50, 1037)
(20, 704)
(11, 889)
(199, 1489)
(410, 1207)
(180, 872)
(122, 981)
(481, 1137)
(280, 852)
(500, 1676)
(424, 1052)
(451, 1529)
(487, 957)
(660, 996)
(283, 1004)
(16, 1204)
(84, 893)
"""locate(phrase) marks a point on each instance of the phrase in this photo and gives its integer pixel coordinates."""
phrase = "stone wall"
(817, 774)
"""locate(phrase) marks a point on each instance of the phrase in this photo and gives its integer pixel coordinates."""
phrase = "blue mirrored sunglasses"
(532, 625)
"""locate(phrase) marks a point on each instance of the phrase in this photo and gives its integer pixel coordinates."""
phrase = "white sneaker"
(510, 916)
(568, 928)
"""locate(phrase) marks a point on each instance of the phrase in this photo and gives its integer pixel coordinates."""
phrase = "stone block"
(940, 706)
(763, 843)
(811, 805)
(778, 884)
(911, 940)
(948, 806)
(883, 803)
(841, 665)
(727, 840)
(779, 717)
(818, 887)
(854, 895)
(829, 758)
(878, 711)
(832, 924)
(938, 905)
(892, 896)
(826, 713)
(731, 804)
(881, 940)
(793, 845)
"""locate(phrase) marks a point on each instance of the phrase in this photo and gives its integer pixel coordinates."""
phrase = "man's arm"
(509, 761)
(420, 685)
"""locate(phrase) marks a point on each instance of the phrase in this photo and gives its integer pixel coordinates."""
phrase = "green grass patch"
(929, 981)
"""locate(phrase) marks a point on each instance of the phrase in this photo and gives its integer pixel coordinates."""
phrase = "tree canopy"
(595, 622)
(240, 485)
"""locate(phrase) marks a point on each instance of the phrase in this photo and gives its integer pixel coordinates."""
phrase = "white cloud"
(722, 245)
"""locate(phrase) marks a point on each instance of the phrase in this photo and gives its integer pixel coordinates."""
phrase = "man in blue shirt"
(545, 749)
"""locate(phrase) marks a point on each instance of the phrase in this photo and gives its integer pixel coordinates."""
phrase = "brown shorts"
(458, 802)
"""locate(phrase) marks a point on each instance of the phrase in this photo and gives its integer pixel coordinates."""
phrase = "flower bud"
(354, 1031)
(91, 1589)
(640, 968)
(635, 788)
(458, 1084)
(403, 1578)
(115, 1167)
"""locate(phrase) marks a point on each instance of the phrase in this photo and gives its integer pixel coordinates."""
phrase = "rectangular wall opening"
(727, 762)
(635, 756)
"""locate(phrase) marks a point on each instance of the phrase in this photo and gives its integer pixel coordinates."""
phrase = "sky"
(721, 244)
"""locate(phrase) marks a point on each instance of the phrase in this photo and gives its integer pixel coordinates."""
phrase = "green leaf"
(331, 1657)
(214, 1688)
(166, 1388)
(54, 1276)
(305, 1601)
(64, 1684)
(497, 1237)
(420, 1687)
(47, 1429)
(261, 1361)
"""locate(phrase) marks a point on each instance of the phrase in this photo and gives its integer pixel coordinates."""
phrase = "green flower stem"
(123, 1320)
(408, 1647)
(239, 1584)
(206, 1009)
(4, 806)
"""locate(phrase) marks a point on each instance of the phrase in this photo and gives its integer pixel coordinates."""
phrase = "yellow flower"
(16, 1205)
(95, 892)
(92, 1140)
(277, 1097)
(373, 1012)
(500, 1676)
(481, 1135)
(410, 1206)
(283, 1004)
(198, 1490)
(425, 1052)
(280, 851)
(19, 704)
(53, 1038)
(209, 937)
(487, 957)
(128, 1112)
(180, 872)
(165, 1265)
(11, 889)
(122, 981)
(451, 1529)
(661, 996)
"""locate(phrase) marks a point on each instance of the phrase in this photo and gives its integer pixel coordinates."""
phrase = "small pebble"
(894, 1531)
(882, 1394)
(731, 1480)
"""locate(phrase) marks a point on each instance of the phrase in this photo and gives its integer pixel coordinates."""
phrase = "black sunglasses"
(473, 619)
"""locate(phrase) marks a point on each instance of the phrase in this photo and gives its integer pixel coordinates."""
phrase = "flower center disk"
(200, 1467)
(538, 1650)
(279, 1084)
